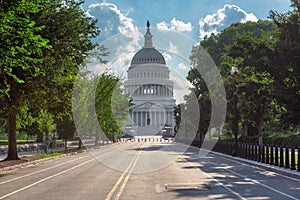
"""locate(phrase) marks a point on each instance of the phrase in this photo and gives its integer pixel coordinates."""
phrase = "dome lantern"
(148, 37)
(148, 54)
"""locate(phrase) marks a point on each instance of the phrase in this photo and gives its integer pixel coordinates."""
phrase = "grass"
(45, 155)
(5, 142)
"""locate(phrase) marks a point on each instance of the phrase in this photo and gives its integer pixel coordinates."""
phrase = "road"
(147, 171)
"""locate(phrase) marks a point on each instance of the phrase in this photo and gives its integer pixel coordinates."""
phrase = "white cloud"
(181, 87)
(167, 56)
(110, 19)
(175, 25)
(163, 26)
(180, 25)
(182, 66)
(173, 48)
(215, 23)
(118, 34)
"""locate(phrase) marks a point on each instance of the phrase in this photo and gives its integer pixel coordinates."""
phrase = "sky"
(176, 26)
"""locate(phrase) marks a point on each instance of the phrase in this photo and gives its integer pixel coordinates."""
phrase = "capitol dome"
(148, 55)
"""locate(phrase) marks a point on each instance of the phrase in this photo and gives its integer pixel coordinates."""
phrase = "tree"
(254, 83)
(46, 125)
(248, 47)
(111, 105)
(286, 63)
(43, 46)
(69, 32)
(21, 47)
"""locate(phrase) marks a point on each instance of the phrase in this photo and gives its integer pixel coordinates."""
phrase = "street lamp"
(234, 71)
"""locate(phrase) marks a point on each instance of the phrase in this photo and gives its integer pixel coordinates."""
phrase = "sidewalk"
(277, 169)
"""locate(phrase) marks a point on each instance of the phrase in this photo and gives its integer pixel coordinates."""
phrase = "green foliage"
(111, 105)
(48, 155)
(45, 122)
(249, 48)
(20, 44)
(44, 44)
(286, 63)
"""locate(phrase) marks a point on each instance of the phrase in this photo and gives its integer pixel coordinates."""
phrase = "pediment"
(148, 106)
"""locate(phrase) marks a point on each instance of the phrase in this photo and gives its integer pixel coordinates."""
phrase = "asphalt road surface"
(146, 171)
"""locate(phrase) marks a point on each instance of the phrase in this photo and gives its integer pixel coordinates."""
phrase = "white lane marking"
(218, 182)
(257, 182)
(7, 181)
(43, 170)
(52, 176)
(44, 179)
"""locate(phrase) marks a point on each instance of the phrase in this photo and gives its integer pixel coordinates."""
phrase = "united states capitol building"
(151, 90)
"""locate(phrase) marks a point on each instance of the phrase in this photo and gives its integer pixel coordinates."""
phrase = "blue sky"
(189, 12)
(176, 26)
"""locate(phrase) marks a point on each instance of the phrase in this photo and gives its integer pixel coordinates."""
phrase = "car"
(126, 136)
(167, 137)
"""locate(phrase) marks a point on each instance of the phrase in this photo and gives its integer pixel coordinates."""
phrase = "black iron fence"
(285, 157)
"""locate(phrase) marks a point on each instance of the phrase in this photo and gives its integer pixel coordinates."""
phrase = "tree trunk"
(39, 137)
(260, 134)
(12, 136)
(66, 145)
(245, 129)
(97, 138)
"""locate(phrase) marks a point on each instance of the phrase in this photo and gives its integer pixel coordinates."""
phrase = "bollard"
(276, 156)
(287, 157)
(267, 155)
(281, 157)
(293, 164)
(272, 156)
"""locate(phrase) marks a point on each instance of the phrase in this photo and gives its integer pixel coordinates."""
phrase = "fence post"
(298, 163)
(252, 151)
(281, 157)
(267, 155)
(259, 153)
(276, 156)
(272, 156)
(263, 153)
(255, 152)
(287, 157)
(293, 164)
(249, 151)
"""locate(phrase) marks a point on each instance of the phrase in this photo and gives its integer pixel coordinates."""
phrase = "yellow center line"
(130, 167)
(128, 175)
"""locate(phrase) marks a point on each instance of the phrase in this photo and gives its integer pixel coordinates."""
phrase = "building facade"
(151, 90)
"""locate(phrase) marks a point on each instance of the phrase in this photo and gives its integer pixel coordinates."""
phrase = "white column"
(140, 118)
(135, 118)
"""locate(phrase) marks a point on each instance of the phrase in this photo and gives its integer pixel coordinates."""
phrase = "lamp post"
(233, 71)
